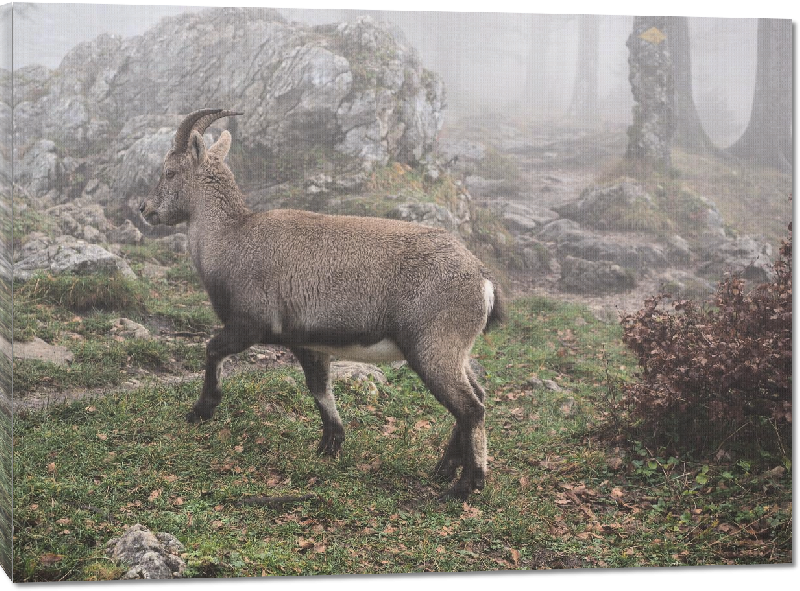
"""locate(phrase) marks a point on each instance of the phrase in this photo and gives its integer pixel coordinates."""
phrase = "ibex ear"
(197, 148)
(221, 146)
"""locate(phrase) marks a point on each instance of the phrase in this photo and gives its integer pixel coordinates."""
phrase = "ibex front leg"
(316, 367)
(230, 340)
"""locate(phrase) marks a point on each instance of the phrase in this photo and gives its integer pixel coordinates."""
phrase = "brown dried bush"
(716, 372)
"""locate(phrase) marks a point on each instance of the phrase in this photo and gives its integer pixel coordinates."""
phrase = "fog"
(520, 65)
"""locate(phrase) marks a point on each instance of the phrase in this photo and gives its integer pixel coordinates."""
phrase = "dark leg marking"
(316, 367)
(230, 340)
(452, 384)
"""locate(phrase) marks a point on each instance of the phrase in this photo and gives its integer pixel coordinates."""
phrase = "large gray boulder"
(594, 277)
(68, 255)
(744, 256)
(80, 219)
(425, 213)
(39, 168)
(596, 202)
(573, 240)
(354, 92)
(141, 165)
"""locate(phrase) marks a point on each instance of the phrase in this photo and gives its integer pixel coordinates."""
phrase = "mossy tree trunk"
(652, 84)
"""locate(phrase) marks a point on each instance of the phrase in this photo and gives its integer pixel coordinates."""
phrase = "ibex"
(364, 289)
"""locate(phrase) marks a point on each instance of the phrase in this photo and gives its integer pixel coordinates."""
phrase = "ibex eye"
(170, 174)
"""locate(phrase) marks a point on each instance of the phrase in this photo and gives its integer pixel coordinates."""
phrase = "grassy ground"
(566, 487)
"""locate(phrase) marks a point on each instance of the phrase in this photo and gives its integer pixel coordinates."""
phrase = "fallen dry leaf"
(50, 559)
(390, 427)
(304, 544)
(470, 511)
(615, 462)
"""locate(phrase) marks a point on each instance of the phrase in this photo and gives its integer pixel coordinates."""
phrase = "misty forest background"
(628, 179)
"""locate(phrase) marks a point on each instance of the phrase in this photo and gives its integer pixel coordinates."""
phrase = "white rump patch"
(382, 351)
(488, 296)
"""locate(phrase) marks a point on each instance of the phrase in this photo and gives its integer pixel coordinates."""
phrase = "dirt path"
(255, 358)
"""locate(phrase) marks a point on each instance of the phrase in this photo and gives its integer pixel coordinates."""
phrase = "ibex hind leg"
(316, 367)
(453, 456)
(230, 340)
(450, 385)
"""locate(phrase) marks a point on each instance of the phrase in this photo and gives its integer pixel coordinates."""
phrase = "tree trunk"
(583, 109)
(652, 85)
(689, 132)
(536, 83)
(768, 137)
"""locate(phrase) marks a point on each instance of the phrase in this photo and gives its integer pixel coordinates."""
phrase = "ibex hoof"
(330, 445)
(445, 470)
(464, 487)
(197, 415)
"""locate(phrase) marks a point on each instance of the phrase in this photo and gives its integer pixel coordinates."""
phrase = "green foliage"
(714, 374)
(81, 293)
(184, 272)
(151, 251)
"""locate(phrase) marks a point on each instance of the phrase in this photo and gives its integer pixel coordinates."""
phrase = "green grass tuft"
(82, 293)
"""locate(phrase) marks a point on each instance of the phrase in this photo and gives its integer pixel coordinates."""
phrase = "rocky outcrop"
(614, 235)
(744, 256)
(354, 91)
(320, 107)
(39, 350)
(594, 277)
(147, 555)
(429, 214)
